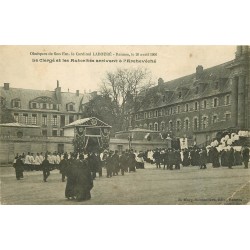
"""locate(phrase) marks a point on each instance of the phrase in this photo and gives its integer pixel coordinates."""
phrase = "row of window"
(16, 103)
(185, 125)
(54, 132)
(177, 109)
(55, 119)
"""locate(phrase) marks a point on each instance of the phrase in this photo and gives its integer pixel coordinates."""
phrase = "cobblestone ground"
(190, 185)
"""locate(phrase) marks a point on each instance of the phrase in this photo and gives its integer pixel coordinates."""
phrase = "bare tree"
(123, 87)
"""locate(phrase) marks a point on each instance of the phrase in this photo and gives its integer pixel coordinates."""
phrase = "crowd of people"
(80, 170)
(195, 156)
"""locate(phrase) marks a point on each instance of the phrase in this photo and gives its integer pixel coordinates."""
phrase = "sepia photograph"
(125, 125)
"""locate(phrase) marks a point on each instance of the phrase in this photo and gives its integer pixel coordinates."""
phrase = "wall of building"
(12, 146)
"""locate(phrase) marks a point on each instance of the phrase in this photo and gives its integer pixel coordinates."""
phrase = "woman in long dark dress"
(71, 174)
(84, 182)
(18, 165)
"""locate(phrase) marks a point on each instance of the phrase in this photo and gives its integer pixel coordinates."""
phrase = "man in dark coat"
(116, 166)
(131, 161)
(46, 168)
(18, 165)
(94, 164)
(171, 159)
(177, 158)
(84, 182)
(157, 157)
(63, 166)
(230, 157)
(109, 165)
(203, 158)
(123, 162)
(245, 156)
(186, 160)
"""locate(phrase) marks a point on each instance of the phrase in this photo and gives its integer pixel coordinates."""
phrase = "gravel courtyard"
(149, 186)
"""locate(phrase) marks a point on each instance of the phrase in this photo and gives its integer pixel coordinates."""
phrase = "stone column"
(234, 102)
(241, 102)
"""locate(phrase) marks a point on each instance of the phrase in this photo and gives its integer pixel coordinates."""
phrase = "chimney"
(6, 86)
(58, 92)
(77, 92)
(199, 71)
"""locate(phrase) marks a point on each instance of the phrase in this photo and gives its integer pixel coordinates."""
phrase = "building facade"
(198, 105)
(51, 110)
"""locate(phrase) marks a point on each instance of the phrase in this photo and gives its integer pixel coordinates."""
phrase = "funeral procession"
(135, 139)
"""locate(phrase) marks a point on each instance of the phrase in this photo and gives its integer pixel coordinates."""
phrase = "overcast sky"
(17, 68)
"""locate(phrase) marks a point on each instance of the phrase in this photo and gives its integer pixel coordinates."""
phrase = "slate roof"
(187, 85)
(87, 122)
(18, 125)
(27, 95)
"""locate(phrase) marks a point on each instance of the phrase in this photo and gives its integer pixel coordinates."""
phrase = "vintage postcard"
(125, 125)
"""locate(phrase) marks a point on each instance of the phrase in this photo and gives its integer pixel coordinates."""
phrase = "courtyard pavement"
(149, 186)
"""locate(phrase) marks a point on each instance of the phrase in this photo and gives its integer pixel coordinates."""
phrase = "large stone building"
(199, 105)
(40, 116)
(51, 110)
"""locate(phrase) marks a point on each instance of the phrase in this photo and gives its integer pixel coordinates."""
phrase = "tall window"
(228, 117)
(205, 104)
(54, 120)
(34, 105)
(196, 106)
(145, 115)
(44, 132)
(44, 105)
(186, 107)
(204, 122)
(136, 117)
(25, 118)
(179, 94)
(227, 99)
(171, 110)
(215, 118)
(150, 114)
(178, 125)
(170, 125)
(54, 132)
(186, 124)
(16, 117)
(156, 113)
(44, 120)
(34, 119)
(195, 123)
(162, 126)
(160, 112)
(156, 126)
(215, 102)
(71, 118)
(150, 126)
(178, 109)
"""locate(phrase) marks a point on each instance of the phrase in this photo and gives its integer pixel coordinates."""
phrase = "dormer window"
(34, 105)
(44, 106)
(196, 90)
(54, 106)
(16, 103)
(70, 106)
(180, 94)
